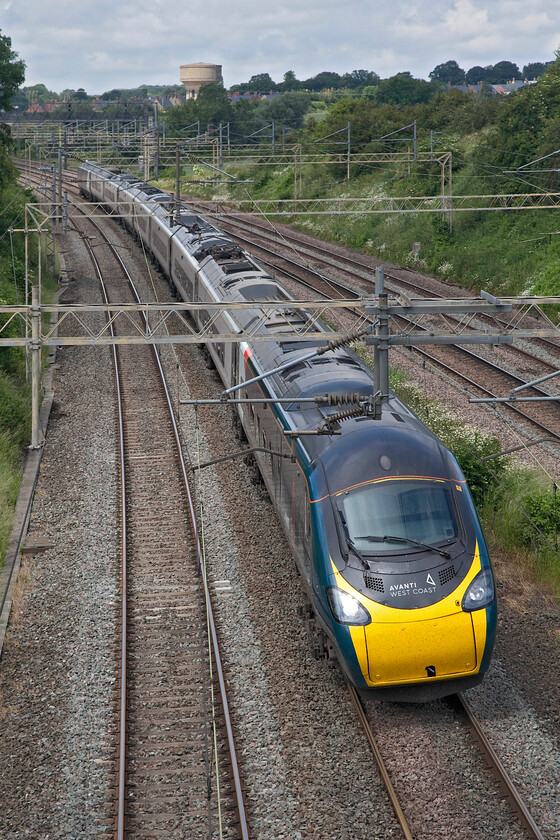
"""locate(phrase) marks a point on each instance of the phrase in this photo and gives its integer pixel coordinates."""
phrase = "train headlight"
(345, 608)
(480, 593)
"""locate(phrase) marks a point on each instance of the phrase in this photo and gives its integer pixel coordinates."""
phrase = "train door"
(236, 357)
(301, 520)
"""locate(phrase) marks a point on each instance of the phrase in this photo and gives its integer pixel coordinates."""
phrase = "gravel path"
(56, 671)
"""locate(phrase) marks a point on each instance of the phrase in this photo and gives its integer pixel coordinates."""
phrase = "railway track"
(403, 801)
(351, 266)
(521, 813)
(177, 768)
(137, 466)
(177, 758)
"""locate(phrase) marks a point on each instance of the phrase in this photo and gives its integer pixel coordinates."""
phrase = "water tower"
(193, 76)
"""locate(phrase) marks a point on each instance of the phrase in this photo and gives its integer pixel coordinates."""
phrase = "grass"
(523, 519)
(15, 406)
(505, 253)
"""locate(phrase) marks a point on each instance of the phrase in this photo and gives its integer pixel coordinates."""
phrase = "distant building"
(499, 90)
(193, 76)
(168, 101)
(250, 97)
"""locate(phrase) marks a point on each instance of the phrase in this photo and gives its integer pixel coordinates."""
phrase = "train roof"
(370, 449)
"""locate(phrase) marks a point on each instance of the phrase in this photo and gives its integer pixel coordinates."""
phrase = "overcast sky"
(105, 44)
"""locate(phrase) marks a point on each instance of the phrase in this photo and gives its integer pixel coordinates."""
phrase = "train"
(397, 582)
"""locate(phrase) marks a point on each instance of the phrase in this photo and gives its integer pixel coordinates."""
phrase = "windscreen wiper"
(358, 553)
(389, 538)
(349, 542)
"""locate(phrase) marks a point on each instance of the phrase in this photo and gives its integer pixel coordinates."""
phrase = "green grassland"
(15, 391)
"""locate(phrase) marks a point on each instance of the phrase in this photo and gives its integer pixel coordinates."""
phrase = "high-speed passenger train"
(396, 574)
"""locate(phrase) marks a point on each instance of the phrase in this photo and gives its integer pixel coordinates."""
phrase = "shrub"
(469, 447)
(544, 509)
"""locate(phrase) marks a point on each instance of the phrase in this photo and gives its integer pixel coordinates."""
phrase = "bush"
(544, 509)
(469, 447)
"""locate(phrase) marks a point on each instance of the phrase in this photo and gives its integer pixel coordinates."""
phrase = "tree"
(369, 92)
(359, 79)
(81, 95)
(12, 72)
(111, 95)
(20, 101)
(288, 109)
(535, 69)
(290, 82)
(476, 75)
(261, 83)
(448, 73)
(528, 125)
(486, 89)
(212, 105)
(322, 81)
(403, 89)
(502, 72)
(39, 93)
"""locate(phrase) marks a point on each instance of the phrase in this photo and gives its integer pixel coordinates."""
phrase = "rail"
(121, 826)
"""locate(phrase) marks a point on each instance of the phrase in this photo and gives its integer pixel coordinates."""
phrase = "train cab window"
(402, 508)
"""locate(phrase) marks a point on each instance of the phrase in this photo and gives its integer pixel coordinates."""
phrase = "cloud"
(123, 43)
(465, 20)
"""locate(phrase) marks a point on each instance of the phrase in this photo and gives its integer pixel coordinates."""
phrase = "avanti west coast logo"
(412, 587)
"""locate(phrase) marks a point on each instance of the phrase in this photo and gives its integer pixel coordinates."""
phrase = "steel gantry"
(443, 203)
(274, 322)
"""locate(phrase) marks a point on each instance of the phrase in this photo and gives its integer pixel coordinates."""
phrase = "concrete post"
(53, 195)
(177, 184)
(59, 199)
(381, 351)
(26, 292)
(348, 153)
(36, 432)
(156, 132)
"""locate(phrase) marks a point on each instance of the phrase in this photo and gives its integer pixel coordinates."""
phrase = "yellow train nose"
(414, 650)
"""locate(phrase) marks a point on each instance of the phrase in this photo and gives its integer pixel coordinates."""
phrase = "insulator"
(356, 411)
(347, 338)
(345, 399)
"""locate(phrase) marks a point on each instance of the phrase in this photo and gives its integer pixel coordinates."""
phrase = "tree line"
(447, 73)
(364, 82)
(493, 74)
